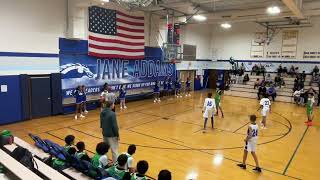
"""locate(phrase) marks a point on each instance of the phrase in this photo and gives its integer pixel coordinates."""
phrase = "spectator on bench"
(303, 76)
(242, 69)
(254, 69)
(292, 71)
(280, 70)
(246, 79)
(142, 168)
(257, 83)
(130, 152)
(277, 81)
(315, 71)
(268, 80)
(100, 159)
(69, 140)
(262, 91)
(81, 153)
(118, 171)
(285, 71)
(272, 92)
(164, 175)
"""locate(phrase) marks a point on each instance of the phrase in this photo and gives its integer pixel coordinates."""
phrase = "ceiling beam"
(293, 8)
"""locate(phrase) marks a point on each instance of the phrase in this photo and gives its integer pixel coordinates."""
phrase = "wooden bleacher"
(44, 168)
(284, 94)
(19, 170)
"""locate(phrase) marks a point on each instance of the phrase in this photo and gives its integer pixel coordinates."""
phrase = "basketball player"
(208, 110)
(309, 106)
(122, 97)
(265, 104)
(156, 92)
(217, 99)
(170, 88)
(188, 88)
(251, 143)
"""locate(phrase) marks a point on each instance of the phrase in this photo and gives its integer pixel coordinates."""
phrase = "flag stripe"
(130, 16)
(130, 26)
(115, 41)
(129, 22)
(115, 52)
(124, 39)
(114, 56)
(112, 44)
(129, 36)
(130, 30)
(129, 19)
(131, 33)
(115, 48)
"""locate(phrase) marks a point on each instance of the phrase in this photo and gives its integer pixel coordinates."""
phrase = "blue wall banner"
(77, 68)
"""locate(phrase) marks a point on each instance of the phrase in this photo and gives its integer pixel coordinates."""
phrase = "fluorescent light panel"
(199, 17)
(273, 10)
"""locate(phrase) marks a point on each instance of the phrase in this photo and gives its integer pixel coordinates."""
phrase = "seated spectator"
(277, 81)
(81, 153)
(296, 70)
(60, 164)
(315, 79)
(292, 71)
(261, 91)
(242, 69)
(246, 79)
(118, 171)
(280, 70)
(315, 71)
(257, 83)
(272, 92)
(303, 76)
(130, 152)
(285, 71)
(262, 70)
(69, 140)
(100, 159)
(164, 175)
(142, 168)
(296, 96)
(268, 80)
(254, 69)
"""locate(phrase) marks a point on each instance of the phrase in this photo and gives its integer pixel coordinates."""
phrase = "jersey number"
(254, 133)
(266, 103)
(209, 103)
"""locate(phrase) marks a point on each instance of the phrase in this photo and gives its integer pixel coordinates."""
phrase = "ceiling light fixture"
(226, 25)
(273, 10)
(199, 17)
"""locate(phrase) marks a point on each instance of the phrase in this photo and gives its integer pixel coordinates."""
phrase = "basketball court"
(62, 62)
(169, 135)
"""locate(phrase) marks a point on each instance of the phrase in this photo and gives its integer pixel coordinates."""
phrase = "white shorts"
(208, 113)
(264, 112)
(251, 146)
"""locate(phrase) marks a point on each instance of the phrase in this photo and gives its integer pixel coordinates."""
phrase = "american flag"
(114, 34)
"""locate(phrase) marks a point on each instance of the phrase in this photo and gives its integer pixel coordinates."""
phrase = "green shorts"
(309, 112)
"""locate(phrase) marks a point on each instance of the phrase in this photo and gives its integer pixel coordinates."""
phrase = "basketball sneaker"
(86, 112)
(75, 117)
(82, 116)
(155, 101)
(243, 166)
(159, 100)
(258, 169)
(125, 107)
(309, 123)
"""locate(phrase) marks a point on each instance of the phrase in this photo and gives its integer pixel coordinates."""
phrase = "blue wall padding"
(10, 106)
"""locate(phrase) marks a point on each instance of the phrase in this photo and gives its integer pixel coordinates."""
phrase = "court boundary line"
(295, 151)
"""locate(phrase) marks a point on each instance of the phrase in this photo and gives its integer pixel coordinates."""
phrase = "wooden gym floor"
(169, 136)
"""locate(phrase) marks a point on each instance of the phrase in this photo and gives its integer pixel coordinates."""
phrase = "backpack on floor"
(25, 157)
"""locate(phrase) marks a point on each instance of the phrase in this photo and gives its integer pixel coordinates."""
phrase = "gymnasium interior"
(145, 68)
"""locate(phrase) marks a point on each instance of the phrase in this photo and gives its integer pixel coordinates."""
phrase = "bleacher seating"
(49, 172)
(284, 94)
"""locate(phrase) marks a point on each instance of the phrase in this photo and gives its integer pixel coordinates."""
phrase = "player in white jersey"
(251, 143)
(265, 105)
(208, 111)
